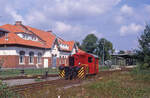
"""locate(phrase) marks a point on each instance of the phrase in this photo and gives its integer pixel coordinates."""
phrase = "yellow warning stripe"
(62, 73)
(81, 77)
(80, 70)
(81, 73)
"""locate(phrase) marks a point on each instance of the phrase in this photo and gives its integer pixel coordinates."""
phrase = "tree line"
(143, 51)
(92, 44)
(99, 47)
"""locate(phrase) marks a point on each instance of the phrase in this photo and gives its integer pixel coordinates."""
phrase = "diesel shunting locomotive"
(80, 65)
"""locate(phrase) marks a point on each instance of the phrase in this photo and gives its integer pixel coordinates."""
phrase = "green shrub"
(5, 92)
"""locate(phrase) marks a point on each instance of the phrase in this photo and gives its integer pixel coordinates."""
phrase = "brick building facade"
(24, 46)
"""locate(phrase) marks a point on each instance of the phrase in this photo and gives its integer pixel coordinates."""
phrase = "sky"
(119, 21)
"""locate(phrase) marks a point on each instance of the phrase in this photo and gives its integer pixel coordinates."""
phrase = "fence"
(33, 71)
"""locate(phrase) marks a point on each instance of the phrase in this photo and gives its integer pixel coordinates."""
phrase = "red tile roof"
(47, 38)
(13, 38)
(81, 51)
(11, 28)
(69, 43)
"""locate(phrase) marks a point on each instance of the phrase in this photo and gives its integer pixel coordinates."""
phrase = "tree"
(106, 47)
(143, 54)
(89, 44)
(78, 44)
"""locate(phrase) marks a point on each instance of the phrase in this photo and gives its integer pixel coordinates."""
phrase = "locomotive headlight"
(79, 63)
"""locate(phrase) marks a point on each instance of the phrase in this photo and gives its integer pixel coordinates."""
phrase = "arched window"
(63, 59)
(59, 60)
(21, 57)
(39, 58)
(31, 57)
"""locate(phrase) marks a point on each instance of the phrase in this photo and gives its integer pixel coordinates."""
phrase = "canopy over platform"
(123, 59)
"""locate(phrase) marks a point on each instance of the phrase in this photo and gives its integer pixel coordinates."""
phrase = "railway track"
(36, 85)
(58, 82)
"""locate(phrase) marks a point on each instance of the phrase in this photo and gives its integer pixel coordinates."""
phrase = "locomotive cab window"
(90, 59)
(71, 61)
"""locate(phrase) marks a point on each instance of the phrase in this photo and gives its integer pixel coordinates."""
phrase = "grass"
(103, 68)
(5, 92)
(141, 75)
(38, 80)
(17, 72)
(117, 85)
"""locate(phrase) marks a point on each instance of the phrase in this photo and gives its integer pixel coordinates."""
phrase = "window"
(23, 36)
(34, 38)
(31, 58)
(21, 57)
(39, 58)
(2, 34)
(29, 37)
(60, 60)
(90, 59)
(63, 60)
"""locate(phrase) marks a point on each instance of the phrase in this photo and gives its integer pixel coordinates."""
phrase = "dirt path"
(14, 82)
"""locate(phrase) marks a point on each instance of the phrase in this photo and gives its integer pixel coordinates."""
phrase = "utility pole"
(103, 52)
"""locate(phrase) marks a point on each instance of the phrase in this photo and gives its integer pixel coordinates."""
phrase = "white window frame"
(39, 55)
(32, 57)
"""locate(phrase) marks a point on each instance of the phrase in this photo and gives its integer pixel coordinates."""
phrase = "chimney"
(18, 23)
(49, 31)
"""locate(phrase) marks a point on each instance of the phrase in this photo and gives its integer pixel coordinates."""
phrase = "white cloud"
(14, 14)
(69, 31)
(99, 35)
(126, 9)
(74, 19)
(62, 27)
(76, 32)
(119, 19)
(130, 29)
(80, 7)
(35, 17)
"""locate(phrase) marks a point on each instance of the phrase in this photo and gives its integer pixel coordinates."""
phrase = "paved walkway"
(14, 82)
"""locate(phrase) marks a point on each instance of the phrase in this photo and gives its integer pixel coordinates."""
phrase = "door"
(45, 63)
(54, 59)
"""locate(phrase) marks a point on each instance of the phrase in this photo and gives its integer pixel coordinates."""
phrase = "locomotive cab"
(71, 61)
(88, 61)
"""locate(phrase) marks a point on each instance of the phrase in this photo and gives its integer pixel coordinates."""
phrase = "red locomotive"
(80, 64)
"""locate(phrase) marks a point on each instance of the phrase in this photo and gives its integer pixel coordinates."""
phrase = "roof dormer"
(3, 32)
(27, 36)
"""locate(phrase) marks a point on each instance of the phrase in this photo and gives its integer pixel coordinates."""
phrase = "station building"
(22, 46)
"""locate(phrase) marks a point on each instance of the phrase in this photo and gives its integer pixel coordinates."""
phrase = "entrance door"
(54, 61)
(45, 63)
